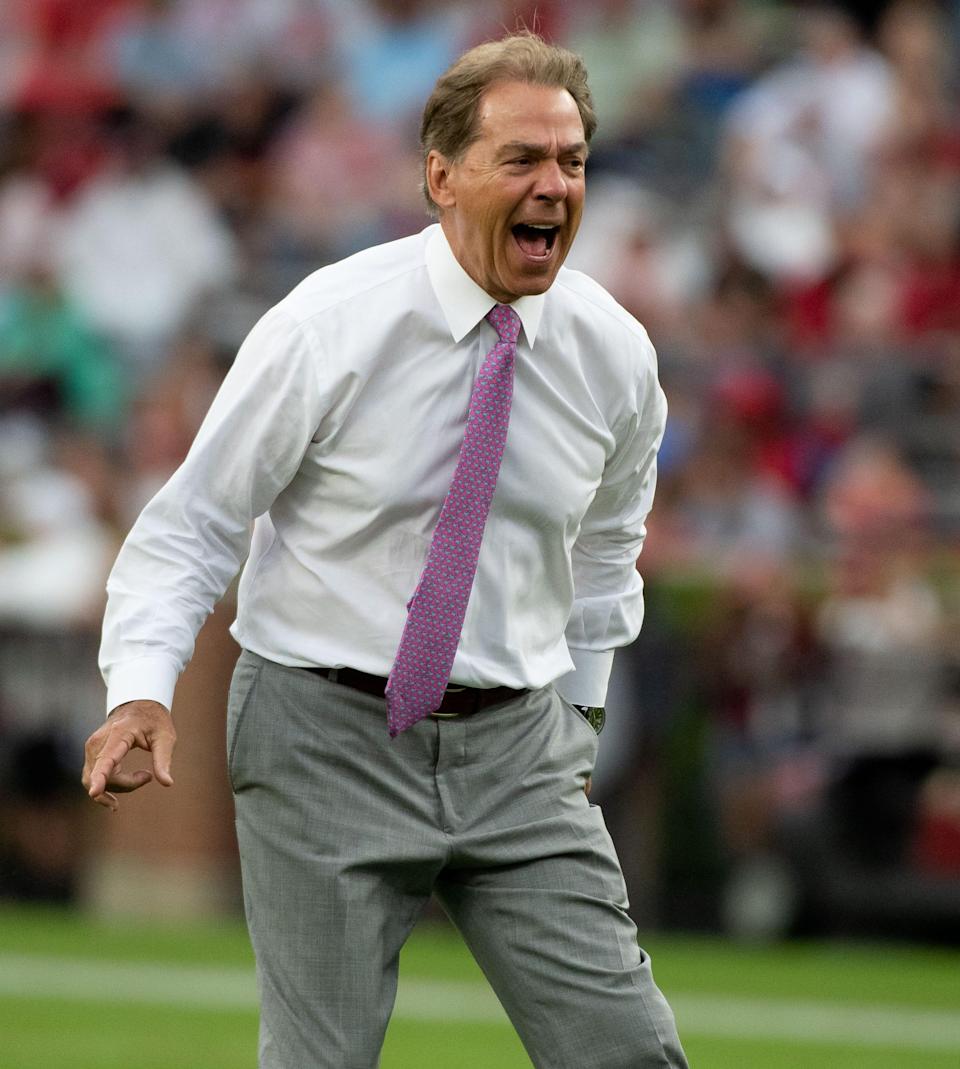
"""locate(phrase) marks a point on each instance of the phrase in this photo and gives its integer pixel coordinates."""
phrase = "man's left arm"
(608, 590)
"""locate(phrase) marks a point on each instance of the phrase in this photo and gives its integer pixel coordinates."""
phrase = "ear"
(439, 178)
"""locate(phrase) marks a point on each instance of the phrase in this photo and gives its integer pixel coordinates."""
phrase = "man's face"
(511, 205)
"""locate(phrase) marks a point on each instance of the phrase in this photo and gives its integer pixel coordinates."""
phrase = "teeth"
(541, 226)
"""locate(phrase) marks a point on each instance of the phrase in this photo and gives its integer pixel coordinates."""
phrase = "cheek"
(500, 236)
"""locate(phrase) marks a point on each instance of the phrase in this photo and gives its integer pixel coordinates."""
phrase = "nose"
(551, 184)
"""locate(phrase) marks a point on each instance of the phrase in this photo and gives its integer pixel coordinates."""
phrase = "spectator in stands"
(392, 52)
(56, 539)
(801, 143)
(326, 192)
(882, 630)
(51, 361)
(140, 246)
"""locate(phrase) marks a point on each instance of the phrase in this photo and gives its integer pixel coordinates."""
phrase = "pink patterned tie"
(435, 613)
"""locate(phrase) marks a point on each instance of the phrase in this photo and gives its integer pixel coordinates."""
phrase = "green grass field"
(77, 994)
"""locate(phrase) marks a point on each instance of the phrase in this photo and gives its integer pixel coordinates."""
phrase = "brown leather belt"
(457, 701)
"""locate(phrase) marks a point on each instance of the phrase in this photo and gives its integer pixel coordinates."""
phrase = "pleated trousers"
(344, 835)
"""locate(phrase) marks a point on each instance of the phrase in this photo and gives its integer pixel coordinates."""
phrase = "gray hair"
(450, 121)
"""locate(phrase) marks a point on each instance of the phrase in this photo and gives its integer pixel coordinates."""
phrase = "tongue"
(533, 242)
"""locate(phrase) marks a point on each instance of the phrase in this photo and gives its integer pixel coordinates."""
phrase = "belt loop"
(332, 674)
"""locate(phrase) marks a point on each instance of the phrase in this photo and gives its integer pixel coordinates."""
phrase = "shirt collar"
(463, 302)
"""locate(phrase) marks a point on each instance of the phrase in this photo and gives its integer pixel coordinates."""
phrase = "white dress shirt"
(336, 433)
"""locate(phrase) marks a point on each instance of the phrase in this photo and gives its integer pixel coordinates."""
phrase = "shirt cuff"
(145, 679)
(587, 683)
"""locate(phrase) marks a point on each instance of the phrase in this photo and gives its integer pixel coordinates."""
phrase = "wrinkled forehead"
(528, 113)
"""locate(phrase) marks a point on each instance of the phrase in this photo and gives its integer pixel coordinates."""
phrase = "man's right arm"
(191, 538)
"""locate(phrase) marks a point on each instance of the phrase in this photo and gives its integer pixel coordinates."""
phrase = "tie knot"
(505, 322)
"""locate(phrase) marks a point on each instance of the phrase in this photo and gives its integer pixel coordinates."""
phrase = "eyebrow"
(529, 149)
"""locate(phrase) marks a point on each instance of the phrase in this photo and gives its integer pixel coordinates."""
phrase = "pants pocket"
(573, 711)
(242, 687)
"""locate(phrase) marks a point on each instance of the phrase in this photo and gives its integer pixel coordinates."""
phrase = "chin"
(530, 287)
(524, 279)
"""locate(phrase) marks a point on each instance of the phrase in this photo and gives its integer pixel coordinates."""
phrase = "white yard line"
(206, 988)
(818, 1022)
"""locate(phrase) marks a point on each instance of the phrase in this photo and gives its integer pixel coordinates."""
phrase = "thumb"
(162, 752)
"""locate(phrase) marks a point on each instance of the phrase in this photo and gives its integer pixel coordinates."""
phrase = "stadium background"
(774, 191)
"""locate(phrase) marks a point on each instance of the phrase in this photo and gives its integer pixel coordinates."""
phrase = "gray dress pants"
(344, 834)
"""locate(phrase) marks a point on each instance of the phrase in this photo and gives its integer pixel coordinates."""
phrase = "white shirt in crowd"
(336, 434)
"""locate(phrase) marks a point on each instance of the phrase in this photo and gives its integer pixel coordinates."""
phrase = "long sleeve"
(608, 599)
(341, 418)
(192, 537)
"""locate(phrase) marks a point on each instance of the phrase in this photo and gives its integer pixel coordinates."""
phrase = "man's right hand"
(143, 725)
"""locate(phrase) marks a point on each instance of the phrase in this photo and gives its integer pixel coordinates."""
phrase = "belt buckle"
(451, 688)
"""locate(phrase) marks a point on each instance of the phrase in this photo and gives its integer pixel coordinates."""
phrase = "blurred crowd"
(774, 192)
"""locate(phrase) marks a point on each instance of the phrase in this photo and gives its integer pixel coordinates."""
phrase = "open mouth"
(536, 240)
